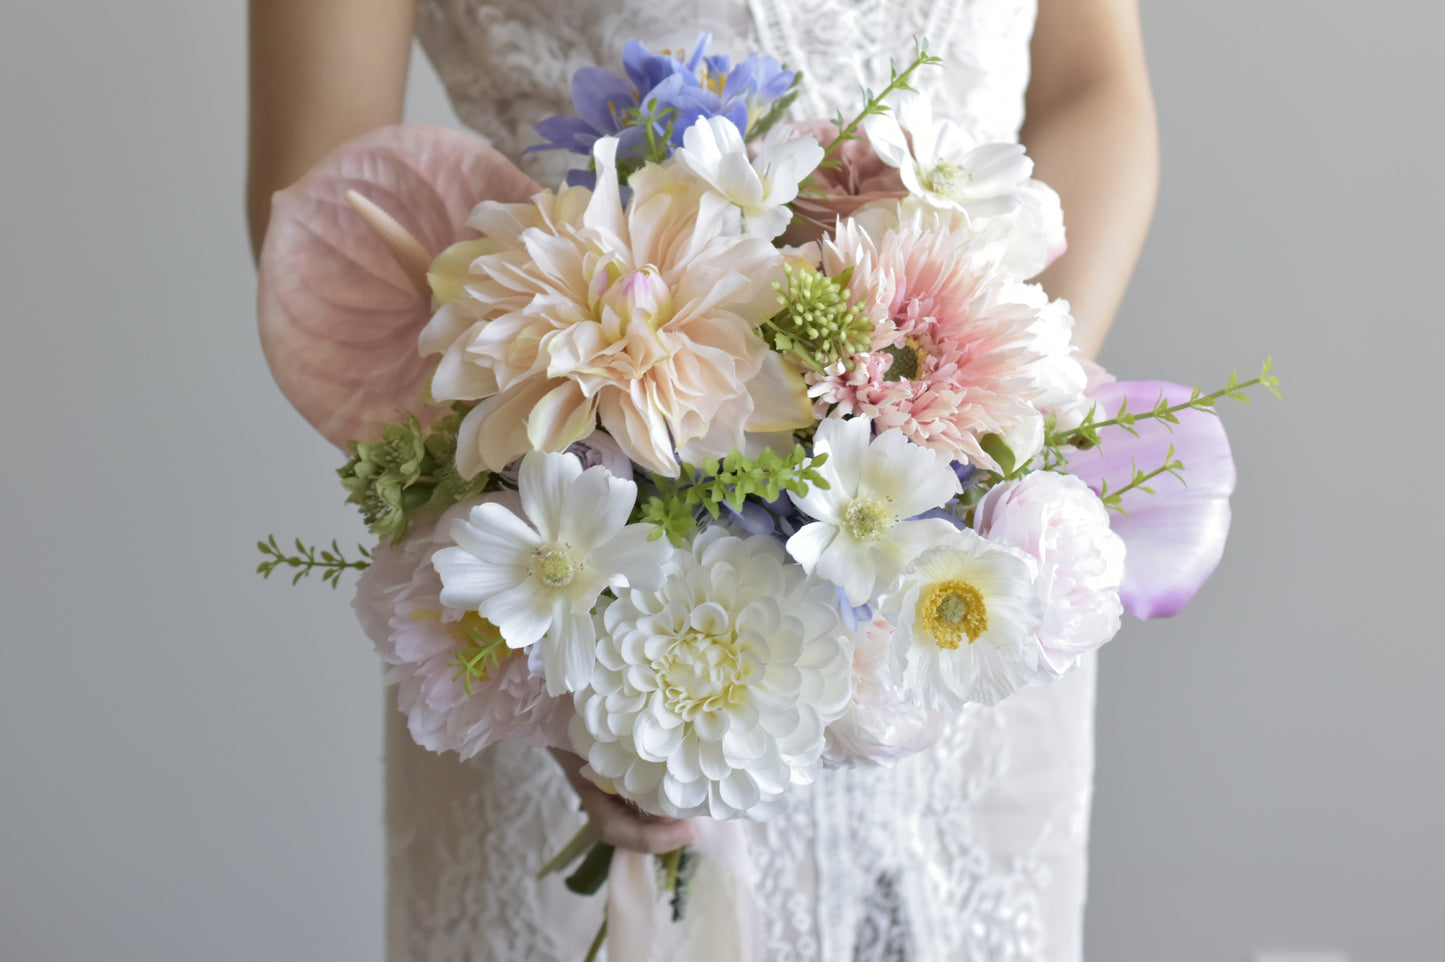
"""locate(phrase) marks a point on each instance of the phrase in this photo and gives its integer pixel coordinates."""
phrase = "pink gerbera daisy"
(949, 359)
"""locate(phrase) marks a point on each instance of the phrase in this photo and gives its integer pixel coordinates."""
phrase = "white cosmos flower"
(988, 184)
(942, 164)
(861, 537)
(967, 614)
(762, 187)
(537, 579)
(711, 696)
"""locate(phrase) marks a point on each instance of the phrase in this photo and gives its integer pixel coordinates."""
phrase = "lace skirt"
(973, 851)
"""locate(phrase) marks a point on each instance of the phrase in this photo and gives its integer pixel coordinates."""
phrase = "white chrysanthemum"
(1059, 373)
(1064, 526)
(762, 187)
(537, 579)
(966, 613)
(880, 725)
(862, 538)
(711, 696)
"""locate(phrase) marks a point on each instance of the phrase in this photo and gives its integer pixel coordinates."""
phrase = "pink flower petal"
(1174, 538)
(339, 319)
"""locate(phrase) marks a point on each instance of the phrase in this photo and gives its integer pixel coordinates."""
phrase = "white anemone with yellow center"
(967, 617)
(863, 536)
(537, 579)
(711, 696)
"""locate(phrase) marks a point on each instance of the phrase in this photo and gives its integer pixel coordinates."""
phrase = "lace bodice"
(507, 63)
(973, 850)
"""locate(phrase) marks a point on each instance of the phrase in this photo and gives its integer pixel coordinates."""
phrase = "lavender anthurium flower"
(1174, 538)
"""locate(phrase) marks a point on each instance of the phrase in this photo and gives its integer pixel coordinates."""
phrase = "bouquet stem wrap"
(721, 907)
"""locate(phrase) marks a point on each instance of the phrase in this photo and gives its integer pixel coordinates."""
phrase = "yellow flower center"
(480, 646)
(867, 518)
(952, 611)
(946, 179)
(705, 669)
(553, 565)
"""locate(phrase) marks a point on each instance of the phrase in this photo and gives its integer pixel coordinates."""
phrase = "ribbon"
(721, 921)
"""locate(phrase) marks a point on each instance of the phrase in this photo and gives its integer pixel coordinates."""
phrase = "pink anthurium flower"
(1175, 537)
(339, 315)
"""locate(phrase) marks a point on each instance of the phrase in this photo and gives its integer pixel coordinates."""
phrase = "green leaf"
(592, 873)
(995, 447)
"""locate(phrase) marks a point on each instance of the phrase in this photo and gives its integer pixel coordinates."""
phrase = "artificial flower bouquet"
(748, 452)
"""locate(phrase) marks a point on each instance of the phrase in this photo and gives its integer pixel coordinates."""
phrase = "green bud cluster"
(408, 470)
(819, 323)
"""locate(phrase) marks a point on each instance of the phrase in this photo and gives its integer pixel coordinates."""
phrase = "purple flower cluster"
(660, 97)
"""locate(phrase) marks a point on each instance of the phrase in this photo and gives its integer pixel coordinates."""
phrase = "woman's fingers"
(624, 826)
(618, 822)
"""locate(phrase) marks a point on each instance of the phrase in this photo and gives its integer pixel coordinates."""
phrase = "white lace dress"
(971, 851)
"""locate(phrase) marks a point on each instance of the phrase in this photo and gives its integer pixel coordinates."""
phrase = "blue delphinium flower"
(662, 95)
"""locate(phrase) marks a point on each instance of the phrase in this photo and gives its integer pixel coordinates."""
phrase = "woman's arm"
(322, 71)
(1091, 131)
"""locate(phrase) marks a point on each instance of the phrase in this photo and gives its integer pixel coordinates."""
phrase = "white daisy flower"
(862, 539)
(762, 187)
(711, 696)
(967, 614)
(537, 579)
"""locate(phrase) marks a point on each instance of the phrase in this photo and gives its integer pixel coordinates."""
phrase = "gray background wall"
(189, 756)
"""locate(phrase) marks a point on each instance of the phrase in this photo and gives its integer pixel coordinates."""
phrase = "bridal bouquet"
(748, 452)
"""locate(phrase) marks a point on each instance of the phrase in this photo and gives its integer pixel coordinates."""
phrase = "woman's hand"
(617, 821)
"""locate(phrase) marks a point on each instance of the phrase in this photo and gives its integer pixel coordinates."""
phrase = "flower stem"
(597, 941)
(571, 852)
(899, 81)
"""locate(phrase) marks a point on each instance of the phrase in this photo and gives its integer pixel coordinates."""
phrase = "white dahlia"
(537, 579)
(966, 613)
(1064, 526)
(710, 696)
(862, 536)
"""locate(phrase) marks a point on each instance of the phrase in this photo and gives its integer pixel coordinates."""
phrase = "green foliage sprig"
(307, 560)
(678, 502)
(779, 108)
(1086, 435)
(874, 105)
(1114, 499)
(737, 477)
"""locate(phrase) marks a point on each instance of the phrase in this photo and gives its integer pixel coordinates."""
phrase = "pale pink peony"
(861, 177)
(643, 319)
(399, 606)
(1059, 522)
(959, 357)
(880, 725)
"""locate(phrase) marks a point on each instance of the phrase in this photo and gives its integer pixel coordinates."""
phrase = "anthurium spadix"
(1174, 537)
(339, 316)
